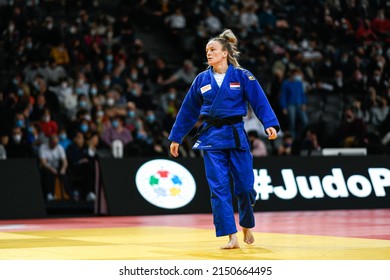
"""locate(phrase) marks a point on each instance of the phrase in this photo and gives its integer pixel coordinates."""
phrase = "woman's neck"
(221, 68)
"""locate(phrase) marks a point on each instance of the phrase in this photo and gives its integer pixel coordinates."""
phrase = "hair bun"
(229, 36)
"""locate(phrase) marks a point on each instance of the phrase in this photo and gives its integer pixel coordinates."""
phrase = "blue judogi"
(223, 139)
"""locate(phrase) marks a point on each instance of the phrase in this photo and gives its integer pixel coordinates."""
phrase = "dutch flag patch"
(235, 86)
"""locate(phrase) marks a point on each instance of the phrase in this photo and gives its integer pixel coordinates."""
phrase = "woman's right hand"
(174, 149)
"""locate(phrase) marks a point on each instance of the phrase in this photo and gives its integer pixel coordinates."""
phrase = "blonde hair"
(229, 43)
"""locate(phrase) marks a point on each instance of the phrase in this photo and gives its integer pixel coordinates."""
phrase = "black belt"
(219, 122)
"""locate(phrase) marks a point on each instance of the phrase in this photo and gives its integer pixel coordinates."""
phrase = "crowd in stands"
(78, 82)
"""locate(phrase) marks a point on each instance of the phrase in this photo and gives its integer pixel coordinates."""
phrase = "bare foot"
(233, 242)
(248, 236)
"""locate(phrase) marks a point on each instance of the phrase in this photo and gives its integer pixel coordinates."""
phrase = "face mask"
(131, 114)
(141, 136)
(109, 58)
(115, 124)
(63, 136)
(100, 113)
(94, 91)
(83, 104)
(87, 117)
(36, 85)
(79, 91)
(106, 83)
(110, 101)
(172, 96)
(84, 127)
(15, 81)
(297, 78)
(20, 92)
(17, 138)
(151, 118)
(19, 123)
(46, 118)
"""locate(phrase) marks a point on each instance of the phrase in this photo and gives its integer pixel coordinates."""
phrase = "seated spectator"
(18, 146)
(183, 77)
(117, 131)
(4, 140)
(47, 125)
(64, 141)
(81, 177)
(53, 166)
(381, 25)
(351, 130)
(38, 107)
(35, 137)
(285, 149)
(258, 147)
(60, 54)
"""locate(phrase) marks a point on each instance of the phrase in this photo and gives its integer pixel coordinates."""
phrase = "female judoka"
(219, 97)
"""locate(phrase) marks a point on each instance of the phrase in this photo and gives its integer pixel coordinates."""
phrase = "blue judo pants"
(219, 164)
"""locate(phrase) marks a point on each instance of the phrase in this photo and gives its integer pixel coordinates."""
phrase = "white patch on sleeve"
(205, 88)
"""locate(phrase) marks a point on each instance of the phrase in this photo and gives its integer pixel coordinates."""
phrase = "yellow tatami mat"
(174, 243)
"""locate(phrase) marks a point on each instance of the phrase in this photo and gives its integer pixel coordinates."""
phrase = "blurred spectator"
(176, 23)
(310, 144)
(183, 77)
(48, 125)
(293, 102)
(117, 131)
(252, 123)
(285, 149)
(381, 25)
(212, 23)
(3, 152)
(352, 130)
(159, 72)
(80, 172)
(60, 54)
(52, 73)
(53, 166)
(267, 19)
(64, 141)
(51, 99)
(364, 32)
(258, 147)
(379, 111)
(18, 146)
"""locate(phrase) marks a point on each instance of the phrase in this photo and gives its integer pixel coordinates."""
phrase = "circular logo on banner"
(165, 183)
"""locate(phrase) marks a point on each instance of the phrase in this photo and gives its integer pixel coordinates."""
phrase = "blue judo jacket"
(206, 98)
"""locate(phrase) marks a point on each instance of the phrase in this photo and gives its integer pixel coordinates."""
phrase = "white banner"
(194, 269)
